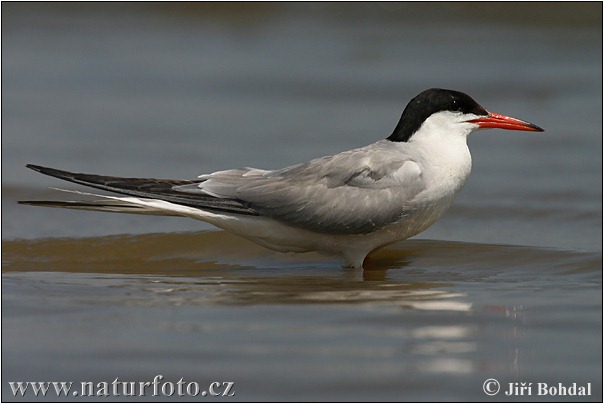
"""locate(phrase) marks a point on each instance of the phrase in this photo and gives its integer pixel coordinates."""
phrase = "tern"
(345, 205)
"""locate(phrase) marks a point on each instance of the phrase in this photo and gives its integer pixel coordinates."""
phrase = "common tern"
(345, 205)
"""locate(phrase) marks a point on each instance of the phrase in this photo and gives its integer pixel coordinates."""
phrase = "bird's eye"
(456, 107)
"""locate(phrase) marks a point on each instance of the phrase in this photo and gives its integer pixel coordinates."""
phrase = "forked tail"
(146, 195)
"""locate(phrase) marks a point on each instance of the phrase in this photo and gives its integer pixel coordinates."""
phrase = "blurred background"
(177, 90)
(507, 284)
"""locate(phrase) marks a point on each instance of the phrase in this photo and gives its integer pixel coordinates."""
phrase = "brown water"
(508, 285)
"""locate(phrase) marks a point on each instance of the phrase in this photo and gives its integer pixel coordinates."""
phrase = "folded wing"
(354, 192)
(151, 188)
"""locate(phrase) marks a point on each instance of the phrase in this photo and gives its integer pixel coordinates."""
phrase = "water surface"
(508, 285)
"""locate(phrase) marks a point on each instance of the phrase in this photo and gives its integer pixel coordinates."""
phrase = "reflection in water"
(415, 274)
(190, 266)
(423, 308)
(245, 273)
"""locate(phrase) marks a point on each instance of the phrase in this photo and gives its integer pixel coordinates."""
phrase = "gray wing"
(350, 193)
(164, 189)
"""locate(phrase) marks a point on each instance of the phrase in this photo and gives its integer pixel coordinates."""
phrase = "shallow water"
(508, 285)
(207, 306)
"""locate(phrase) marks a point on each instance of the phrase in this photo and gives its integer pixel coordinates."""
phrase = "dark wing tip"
(60, 174)
(146, 188)
(44, 170)
(34, 167)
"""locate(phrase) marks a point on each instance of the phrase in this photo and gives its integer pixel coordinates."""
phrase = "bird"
(345, 205)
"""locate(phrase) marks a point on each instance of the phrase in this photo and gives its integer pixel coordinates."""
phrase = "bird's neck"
(445, 157)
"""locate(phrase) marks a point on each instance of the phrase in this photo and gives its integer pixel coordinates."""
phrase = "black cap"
(429, 102)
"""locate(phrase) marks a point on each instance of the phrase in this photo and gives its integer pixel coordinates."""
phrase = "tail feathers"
(116, 205)
(150, 188)
(102, 206)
